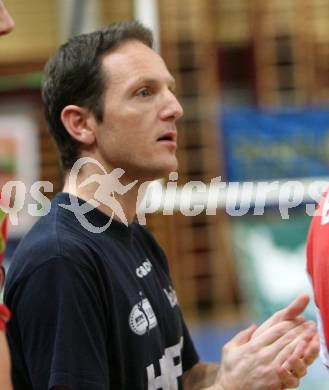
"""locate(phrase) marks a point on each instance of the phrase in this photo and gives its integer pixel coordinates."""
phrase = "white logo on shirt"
(172, 297)
(170, 369)
(144, 269)
(142, 318)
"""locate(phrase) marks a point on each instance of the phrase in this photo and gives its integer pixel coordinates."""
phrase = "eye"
(173, 91)
(172, 87)
(144, 92)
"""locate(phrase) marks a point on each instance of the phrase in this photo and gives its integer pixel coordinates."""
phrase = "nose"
(6, 21)
(172, 109)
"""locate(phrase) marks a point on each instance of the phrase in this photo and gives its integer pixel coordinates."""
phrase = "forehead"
(133, 61)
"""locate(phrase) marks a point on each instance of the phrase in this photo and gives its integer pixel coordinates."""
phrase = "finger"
(295, 363)
(284, 347)
(296, 307)
(301, 348)
(243, 336)
(287, 356)
(293, 367)
(293, 310)
(292, 347)
(275, 319)
(312, 350)
(297, 367)
(277, 331)
(288, 380)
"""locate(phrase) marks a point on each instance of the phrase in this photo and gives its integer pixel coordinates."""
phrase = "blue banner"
(275, 144)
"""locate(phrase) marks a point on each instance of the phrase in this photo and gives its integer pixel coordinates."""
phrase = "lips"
(169, 136)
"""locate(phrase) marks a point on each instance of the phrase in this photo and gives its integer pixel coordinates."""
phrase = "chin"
(166, 169)
(159, 172)
(151, 170)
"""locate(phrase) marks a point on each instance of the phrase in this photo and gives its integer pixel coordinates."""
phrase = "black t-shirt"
(94, 311)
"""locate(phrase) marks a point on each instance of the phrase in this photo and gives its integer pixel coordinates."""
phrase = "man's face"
(6, 21)
(138, 132)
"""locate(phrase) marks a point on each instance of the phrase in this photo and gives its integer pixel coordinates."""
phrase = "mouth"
(169, 136)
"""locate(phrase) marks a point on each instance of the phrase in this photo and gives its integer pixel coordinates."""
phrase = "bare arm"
(202, 375)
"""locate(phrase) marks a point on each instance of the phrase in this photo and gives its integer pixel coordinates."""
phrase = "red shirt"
(4, 316)
(4, 312)
(318, 270)
(3, 234)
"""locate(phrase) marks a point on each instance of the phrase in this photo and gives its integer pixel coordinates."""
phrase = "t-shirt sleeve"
(63, 327)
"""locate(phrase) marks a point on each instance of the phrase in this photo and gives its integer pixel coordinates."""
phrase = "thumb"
(244, 336)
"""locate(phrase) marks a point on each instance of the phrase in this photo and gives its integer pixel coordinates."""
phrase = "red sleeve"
(4, 311)
(318, 262)
(4, 316)
(3, 234)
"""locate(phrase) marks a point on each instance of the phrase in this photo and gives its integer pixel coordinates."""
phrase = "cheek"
(137, 117)
(123, 124)
(128, 128)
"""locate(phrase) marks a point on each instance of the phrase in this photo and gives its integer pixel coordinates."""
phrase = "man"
(95, 309)
(318, 270)
(6, 25)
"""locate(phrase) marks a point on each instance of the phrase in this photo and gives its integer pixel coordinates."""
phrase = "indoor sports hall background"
(253, 78)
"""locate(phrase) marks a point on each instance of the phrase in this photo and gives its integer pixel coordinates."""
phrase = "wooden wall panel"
(36, 32)
(114, 11)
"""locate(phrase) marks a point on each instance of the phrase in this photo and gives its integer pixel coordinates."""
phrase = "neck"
(115, 194)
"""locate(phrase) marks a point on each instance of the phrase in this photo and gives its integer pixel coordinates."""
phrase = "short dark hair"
(74, 75)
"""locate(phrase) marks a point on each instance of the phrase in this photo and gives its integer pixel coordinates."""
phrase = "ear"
(79, 123)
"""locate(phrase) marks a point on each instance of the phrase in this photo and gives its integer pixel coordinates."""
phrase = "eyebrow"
(149, 80)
